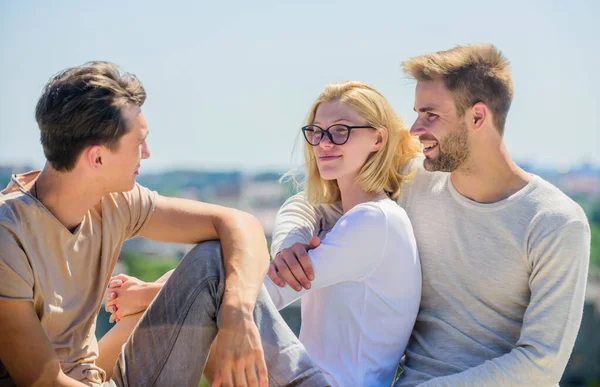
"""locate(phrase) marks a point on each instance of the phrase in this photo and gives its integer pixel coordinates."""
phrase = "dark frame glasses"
(313, 134)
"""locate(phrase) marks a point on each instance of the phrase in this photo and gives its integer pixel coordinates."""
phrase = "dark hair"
(82, 106)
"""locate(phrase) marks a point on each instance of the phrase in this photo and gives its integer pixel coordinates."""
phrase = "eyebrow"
(425, 109)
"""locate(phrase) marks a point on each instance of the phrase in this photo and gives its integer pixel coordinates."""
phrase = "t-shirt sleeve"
(140, 203)
(16, 275)
(351, 251)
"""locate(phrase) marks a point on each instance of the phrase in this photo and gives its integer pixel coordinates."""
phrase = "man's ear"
(480, 115)
(93, 156)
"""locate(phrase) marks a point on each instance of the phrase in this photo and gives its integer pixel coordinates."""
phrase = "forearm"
(513, 369)
(551, 321)
(296, 222)
(110, 345)
(164, 277)
(246, 258)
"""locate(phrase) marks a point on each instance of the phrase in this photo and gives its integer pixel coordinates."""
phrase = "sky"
(229, 83)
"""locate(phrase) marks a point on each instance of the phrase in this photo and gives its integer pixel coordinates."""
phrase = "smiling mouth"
(430, 147)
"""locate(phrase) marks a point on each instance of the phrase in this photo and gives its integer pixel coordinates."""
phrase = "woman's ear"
(382, 136)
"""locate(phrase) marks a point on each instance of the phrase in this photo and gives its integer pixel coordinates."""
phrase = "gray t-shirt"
(503, 283)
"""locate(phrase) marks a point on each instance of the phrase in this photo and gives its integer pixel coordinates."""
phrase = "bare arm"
(246, 259)
(109, 346)
(25, 350)
(242, 239)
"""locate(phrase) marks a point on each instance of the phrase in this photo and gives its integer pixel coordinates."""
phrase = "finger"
(227, 377)
(217, 380)
(110, 304)
(285, 273)
(225, 371)
(112, 309)
(314, 242)
(122, 277)
(261, 367)
(112, 318)
(293, 262)
(274, 276)
(305, 265)
(115, 283)
(111, 296)
(251, 376)
(240, 373)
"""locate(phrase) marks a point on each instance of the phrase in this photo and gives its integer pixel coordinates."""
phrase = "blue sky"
(229, 83)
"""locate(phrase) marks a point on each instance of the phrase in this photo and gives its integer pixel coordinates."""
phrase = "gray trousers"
(170, 344)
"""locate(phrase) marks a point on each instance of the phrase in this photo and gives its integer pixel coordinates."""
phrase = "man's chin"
(430, 165)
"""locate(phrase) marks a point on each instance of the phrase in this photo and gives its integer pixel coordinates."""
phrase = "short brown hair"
(82, 106)
(473, 73)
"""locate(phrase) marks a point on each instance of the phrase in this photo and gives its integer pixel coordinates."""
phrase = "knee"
(205, 259)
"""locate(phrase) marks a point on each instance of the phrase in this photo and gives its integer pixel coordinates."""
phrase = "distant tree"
(595, 252)
(594, 215)
(146, 268)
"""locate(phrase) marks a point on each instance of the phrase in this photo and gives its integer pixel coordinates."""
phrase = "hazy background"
(229, 83)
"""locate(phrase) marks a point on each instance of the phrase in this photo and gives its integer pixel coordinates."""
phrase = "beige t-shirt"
(65, 274)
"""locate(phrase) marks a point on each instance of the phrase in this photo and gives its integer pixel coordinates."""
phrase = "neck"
(353, 195)
(490, 175)
(67, 195)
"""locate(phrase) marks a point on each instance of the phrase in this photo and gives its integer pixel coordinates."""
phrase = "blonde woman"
(360, 310)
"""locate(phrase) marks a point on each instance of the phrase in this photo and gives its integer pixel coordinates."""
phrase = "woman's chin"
(327, 175)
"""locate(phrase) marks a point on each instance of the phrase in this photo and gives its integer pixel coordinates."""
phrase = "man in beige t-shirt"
(61, 231)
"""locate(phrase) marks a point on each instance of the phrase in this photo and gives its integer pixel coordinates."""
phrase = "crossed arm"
(30, 359)
(550, 323)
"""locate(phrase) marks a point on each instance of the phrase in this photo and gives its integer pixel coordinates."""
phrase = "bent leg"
(171, 342)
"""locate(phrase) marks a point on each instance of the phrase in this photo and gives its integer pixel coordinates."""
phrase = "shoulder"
(138, 195)
(16, 208)
(368, 220)
(553, 209)
(365, 212)
(418, 179)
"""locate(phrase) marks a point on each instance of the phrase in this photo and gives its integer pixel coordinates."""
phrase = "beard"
(453, 152)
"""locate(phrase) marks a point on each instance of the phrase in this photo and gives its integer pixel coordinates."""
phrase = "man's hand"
(293, 266)
(128, 295)
(238, 351)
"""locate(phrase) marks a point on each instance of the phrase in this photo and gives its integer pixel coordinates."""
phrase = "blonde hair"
(381, 171)
(473, 73)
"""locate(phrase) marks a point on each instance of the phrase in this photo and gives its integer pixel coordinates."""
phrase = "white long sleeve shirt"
(503, 283)
(359, 313)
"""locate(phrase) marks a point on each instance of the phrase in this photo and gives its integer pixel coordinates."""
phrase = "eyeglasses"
(338, 134)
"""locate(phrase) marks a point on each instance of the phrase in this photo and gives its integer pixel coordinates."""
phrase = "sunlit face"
(442, 132)
(343, 161)
(122, 165)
